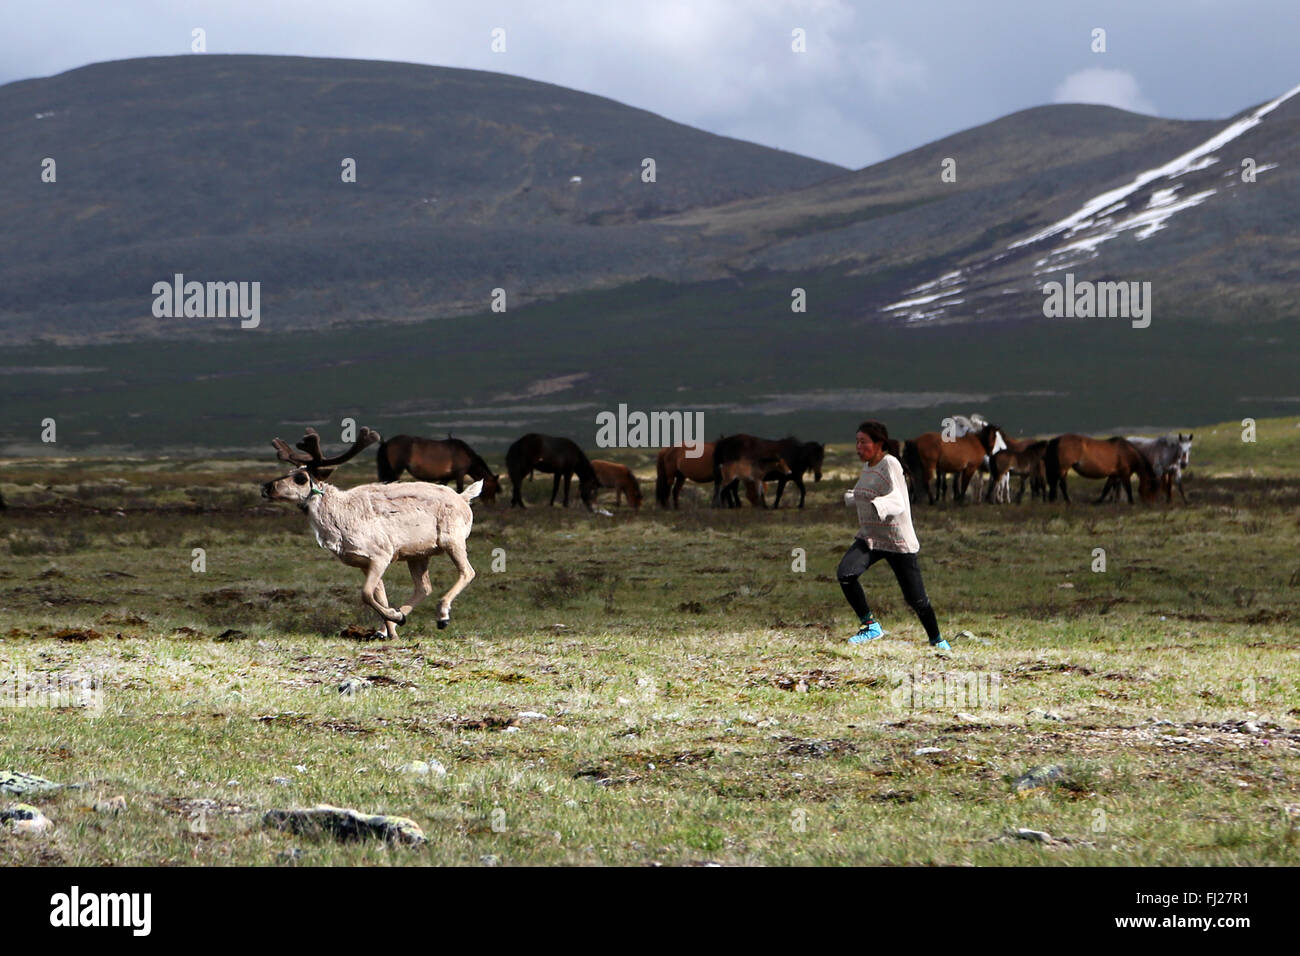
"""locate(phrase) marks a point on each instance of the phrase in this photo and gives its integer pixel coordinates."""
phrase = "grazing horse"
(761, 452)
(928, 455)
(752, 474)
(798, 457)
(1168, 455)
(1097, 458)
(620, 478)
(551, 455)
(1023, 457)
(674, 466)
(435, 459)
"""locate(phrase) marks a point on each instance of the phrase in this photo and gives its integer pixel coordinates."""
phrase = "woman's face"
(868, 450)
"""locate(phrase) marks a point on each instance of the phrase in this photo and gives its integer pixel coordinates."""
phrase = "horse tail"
(911, 459)
(387, 472)
(1147, 480)
(1052, 462)
(661, 480)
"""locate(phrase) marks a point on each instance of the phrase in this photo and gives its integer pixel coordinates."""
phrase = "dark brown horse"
(552, 455)
(798, 457)
(1023, 457)
(764, 453)
(1097, 458)
(620, 478)
(436, 459)
(674, 466)
(928, 455)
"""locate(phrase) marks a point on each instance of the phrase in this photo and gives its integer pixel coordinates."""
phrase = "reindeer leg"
(373, 587)
(390, 629)
(456, 551)
(419, 568)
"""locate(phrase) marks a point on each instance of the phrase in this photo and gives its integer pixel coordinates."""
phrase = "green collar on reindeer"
(314, 491)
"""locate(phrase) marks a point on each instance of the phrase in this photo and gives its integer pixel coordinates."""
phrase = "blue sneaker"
(867, 632)
(941, 645)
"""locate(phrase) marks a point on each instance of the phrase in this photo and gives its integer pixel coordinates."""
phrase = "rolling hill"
(924, 296)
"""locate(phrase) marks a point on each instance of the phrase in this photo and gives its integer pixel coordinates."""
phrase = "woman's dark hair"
(879, 434)
(874, 430)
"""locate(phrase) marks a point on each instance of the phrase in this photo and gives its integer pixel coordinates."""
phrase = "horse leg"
(516, 498)
(555, 490)
(780, 487)
(803, 492)
(1127, 481)
(677, 489)
(568, 479)
(1111, 482)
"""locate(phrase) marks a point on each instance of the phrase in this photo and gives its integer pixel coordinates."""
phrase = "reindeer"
(370, 526)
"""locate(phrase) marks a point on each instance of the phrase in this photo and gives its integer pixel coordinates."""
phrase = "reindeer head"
(299, 485)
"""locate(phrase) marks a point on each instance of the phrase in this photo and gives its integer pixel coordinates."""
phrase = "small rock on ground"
(346, 824)
(25, 819)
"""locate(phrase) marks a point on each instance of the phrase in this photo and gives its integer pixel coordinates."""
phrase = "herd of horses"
(968, 449)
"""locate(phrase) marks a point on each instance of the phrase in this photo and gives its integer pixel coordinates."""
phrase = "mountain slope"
(228, 168)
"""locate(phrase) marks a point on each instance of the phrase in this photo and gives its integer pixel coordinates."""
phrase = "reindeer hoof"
(443, 623)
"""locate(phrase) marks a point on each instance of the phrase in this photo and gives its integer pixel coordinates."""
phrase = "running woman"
(885, 516)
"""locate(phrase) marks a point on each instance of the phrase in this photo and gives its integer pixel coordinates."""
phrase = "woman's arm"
(890, 500)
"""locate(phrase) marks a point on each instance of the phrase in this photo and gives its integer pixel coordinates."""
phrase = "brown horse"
(674, 466)
(1023, 457)
(747, 451)
(751, 474)
(620, 478)
(552, 455)
(1097, 458)
(927, 456)
(435, 459)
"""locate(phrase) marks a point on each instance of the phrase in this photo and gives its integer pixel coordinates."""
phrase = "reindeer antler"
(313, 458)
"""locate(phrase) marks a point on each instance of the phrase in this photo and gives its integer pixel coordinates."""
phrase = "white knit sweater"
(884, 511)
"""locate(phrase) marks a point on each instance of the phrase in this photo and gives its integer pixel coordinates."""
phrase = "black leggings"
(905, 567)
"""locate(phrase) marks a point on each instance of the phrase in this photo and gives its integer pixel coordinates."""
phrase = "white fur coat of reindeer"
(371, 526)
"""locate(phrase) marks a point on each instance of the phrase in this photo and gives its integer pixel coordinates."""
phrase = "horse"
(551, 455)
(1168, 455)
(435, 459)
(798, 457)
(928, 454)
(620, 478)
(674, 466)
(752, 473)
(1097, 458)
(1023, 457)
(741, 448)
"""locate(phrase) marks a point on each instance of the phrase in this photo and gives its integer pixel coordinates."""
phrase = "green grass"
(701, 702)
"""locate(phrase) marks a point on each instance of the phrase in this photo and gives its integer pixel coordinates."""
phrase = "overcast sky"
(878, 78)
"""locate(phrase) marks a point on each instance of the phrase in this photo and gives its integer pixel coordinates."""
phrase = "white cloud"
(1117, 88)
